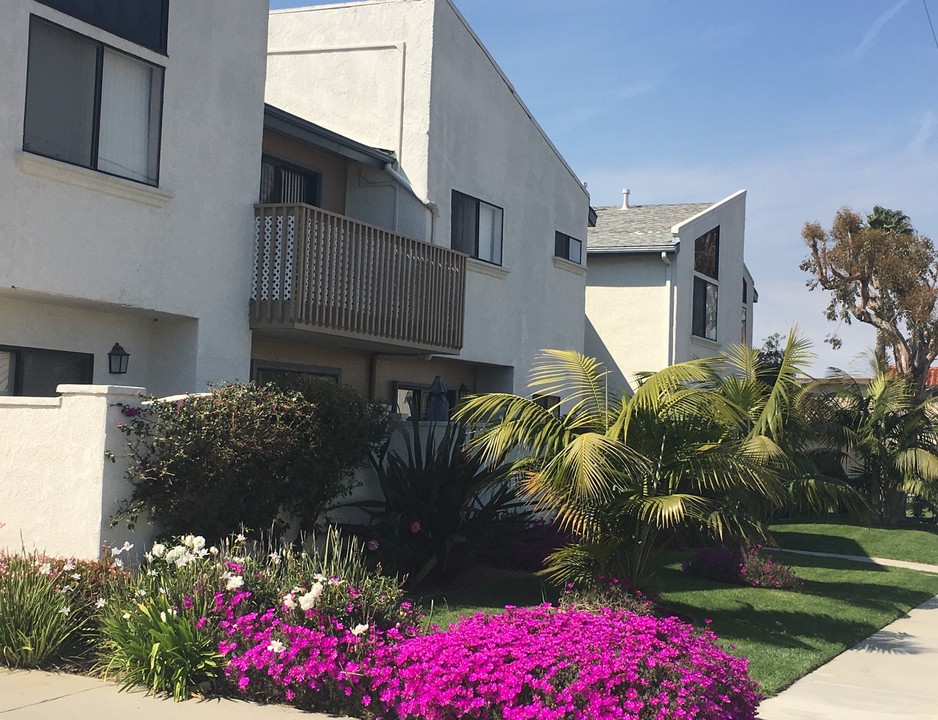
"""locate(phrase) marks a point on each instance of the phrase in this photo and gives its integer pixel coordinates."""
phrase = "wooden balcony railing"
(319, 271)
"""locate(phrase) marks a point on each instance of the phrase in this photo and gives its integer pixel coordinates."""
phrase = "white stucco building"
(667, 283)
(499, 217)
(130, 139)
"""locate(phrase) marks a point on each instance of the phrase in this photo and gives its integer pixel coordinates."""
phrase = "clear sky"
(808, 105)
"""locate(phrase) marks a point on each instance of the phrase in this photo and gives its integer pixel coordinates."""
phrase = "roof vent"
(625, 198)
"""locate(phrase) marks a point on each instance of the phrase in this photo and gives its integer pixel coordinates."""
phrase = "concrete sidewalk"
(891, 674)
(36, 695)
(921, 567)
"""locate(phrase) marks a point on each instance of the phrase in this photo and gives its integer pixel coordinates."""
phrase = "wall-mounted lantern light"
(117, 360)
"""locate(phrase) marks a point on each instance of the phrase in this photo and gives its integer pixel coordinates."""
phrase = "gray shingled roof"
(640, 226)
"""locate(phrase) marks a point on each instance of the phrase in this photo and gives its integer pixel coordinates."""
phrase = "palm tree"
(622, 471)
(891, 440)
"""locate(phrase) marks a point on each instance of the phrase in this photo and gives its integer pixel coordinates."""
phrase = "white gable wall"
(730, 215)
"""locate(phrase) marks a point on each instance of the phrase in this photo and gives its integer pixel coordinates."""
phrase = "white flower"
(276, 646)
(175, 553)
(100, 603)
(76, 576)
(163, 615)
(69, 565)
(115, 552)
(67, 588)
(319, 577)
(126, 616)
(274, 558)
(234, 581)
(159, 550)
(65, 610)
(118, 563)
(240, 538)
(126, 547)
(213, 550)
(141, 592)
(308, 600)
(288, 602)
(45, 569)
(359, 630)
(152, 573)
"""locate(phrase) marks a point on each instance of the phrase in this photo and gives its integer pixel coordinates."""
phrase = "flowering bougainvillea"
(545, 664)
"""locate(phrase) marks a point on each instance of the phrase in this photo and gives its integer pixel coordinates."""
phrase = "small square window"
(90, 105)
(476, 228)
(568, 248)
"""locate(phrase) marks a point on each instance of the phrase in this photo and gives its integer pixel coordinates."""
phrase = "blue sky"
(808, 105)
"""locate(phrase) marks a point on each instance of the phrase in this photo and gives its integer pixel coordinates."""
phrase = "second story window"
(477, 228)
(282, 183)
(143, 22)
(568, 248)
(88, 104)
(706, 276)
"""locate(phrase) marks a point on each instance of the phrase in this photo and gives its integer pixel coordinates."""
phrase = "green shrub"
(441, 504)
(42, 617)
(241, 455)
(155, 644)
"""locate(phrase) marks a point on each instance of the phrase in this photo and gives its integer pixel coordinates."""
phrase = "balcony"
(319, 272)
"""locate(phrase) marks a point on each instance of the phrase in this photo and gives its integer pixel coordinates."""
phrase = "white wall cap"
(119, 390)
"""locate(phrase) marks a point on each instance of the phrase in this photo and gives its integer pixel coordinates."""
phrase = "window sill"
(569, 266)
(485, 268)
(49, 169)
(705, 342)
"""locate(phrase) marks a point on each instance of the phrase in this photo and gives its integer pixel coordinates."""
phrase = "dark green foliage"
(240, 455)
(440, 504)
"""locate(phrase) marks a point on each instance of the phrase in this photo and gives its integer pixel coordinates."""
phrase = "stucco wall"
(483, 142)
(409, 75)
(627, 313)
(184, 248)
(58, 490)
(730, 215)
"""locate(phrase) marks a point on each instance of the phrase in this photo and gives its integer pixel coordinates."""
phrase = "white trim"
(485, 268)
(49, 169)
(569, 266)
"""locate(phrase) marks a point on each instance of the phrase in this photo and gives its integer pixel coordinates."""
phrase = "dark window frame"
(551, 403)
(325, 372)
(281, 164)
(470, 246)
(100, 48)
(706, 285)
(96, 15)
(564, 247)
(18, 352)
(421, 392)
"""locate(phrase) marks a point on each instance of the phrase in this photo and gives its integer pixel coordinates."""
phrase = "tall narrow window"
(706, 276)
(90, 105)
(477, 228)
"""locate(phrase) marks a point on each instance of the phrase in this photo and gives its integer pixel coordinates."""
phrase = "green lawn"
(784, 634)
(914, 542)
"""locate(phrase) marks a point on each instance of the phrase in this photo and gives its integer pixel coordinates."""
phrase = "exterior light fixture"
(117, 360)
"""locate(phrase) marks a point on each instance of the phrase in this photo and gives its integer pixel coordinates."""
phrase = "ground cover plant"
(910, 541)
(752, 567)
(569, 664)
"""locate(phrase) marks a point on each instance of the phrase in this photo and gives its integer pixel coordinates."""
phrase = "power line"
(928, 15)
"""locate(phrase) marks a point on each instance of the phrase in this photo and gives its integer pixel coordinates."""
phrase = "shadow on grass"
(818, 542)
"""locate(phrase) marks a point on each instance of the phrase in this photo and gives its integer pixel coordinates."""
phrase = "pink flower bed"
(545, 664)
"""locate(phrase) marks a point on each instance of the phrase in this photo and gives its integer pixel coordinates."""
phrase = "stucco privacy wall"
(109, 245)
(411, 76)
(58, 491)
